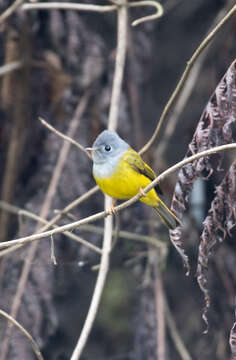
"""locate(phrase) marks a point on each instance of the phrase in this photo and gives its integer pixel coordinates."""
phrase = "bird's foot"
(112, 210)
(142, 192)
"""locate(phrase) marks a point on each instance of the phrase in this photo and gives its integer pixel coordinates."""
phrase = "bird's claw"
(112, 210)
(142, 192)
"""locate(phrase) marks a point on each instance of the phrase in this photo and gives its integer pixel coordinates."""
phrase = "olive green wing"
(137, 163)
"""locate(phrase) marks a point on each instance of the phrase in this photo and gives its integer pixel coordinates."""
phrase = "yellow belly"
(125, 183)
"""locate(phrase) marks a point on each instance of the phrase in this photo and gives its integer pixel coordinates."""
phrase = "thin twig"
(119, 67)
(116, 232)
(100, 8)
(122, 234)
(122, 206)
(9, 250)
(178, 108)
(53, 221)
(25, 332)
(63, 136)
(10, 10)
(44, 211)
(78, 201)
(156, 4)
(18, 211)
(122, 18)
(127, 235)
(102, 274)
(90, 228)
(184, 95)
(53, 254)
(180, 347)
(160, 314)
(183, 78)
(69, 6)
(11, 66)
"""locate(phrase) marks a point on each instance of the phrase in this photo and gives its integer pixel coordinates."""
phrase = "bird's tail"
(167, 216)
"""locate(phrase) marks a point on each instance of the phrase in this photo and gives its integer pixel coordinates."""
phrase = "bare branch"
(53, 221)
(11, 66)
(160, 313)
(63, 136)
(127, 235)
(69, 6)
(112, 125)
(44, 211)
(100, 8)
(184, 76)
(25, 332)
(103, 270)
(180, 346)
(10, 10)
(157, 5)
(122, 206)
(16, 210)
(119, 67)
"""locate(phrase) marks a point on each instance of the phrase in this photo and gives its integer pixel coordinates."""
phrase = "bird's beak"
(90, 149)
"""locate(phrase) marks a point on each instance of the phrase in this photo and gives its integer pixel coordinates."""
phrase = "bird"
(121, 173)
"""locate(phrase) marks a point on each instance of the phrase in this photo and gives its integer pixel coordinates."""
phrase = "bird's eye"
(107, 147)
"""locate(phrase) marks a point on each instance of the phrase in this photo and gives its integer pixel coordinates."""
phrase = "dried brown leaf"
(216, 127)
(218, 224)
(232, 341)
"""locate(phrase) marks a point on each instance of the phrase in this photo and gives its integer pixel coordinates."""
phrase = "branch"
(180, 346)
(63, 136)
(43, 213)
(119, 67)
(25, 332)
(184, 76)
(54, 220)
(10, 10)
(100, 8)
(160, 313)
(90, 228)
(157, 5)
(103, 270)
(11, 66)
(69, 6)
(122, 234)
(122, 206)
(18, 211)
(107, 238)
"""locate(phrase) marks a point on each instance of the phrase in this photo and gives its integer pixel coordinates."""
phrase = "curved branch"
(25, 332)
(122, 206)
(10, 10)
(18, 211)
(112, 125)
(63, 136)
(183, 78)
(158, 13)
(43, 213)
(99, 8)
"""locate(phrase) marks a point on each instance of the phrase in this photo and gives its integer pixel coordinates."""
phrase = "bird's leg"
(112, 208)
(142, 192)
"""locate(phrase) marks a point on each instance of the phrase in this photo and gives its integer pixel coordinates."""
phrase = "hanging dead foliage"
(232, 341)
(218, 224)
(217, 126)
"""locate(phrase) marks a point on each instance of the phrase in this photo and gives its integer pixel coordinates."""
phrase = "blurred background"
(51, 63)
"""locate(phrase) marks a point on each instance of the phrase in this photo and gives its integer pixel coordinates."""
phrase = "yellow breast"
(125, 182)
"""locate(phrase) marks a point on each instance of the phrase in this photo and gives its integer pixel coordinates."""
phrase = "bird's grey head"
(107, 146)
